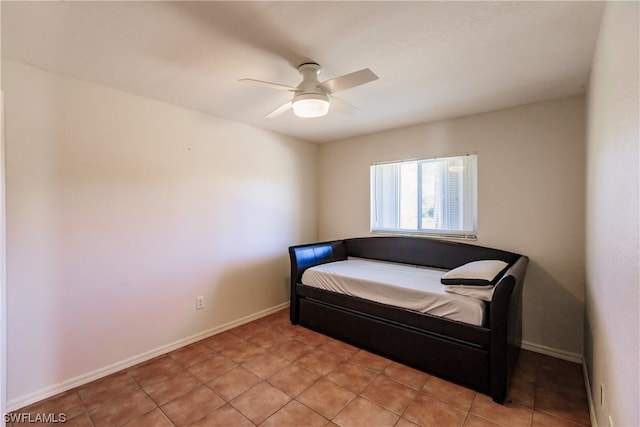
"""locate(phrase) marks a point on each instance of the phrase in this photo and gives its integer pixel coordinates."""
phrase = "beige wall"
(121, 210)
(612, 327)
(531, 166)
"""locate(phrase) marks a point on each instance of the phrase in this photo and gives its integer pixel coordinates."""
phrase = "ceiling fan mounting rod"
(310, 72)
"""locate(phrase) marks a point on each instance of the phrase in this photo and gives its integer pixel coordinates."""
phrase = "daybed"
(481, 357)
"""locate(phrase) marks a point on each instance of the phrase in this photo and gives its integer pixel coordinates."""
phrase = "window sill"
(443, 236)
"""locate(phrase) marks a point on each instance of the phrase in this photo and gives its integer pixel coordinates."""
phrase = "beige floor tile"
(389, 394)
(212, 368)
(226, 416)
(326, 398)
(351, 376)
(121, 409)
(81, 420)
(292, 349)
(102, 391)
(522, 392)
(540, 419)
(268, 338)
(192, 354)
(233, 383)
(364, 413)
(223, 341)
(405, 423)
(426, 411)
(260, 402)
(169, 387)
(370, 361)
(192, 406)
(508, 414)
(154, 418)
(295, 414)
(293, 380)
(339, 349)
(319, 362)
(244, 352)
(312, 338)
(154, 369)
(456, 395)
(265, 365)
(248, 330)
(476, 421)
(406, 375)
(68, 403)
(563, 402)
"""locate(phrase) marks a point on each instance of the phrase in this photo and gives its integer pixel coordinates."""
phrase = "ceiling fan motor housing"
(310, 100)
(310, 83)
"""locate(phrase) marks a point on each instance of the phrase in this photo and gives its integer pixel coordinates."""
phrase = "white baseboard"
(587, 384)
(553, 352)
(22, 401)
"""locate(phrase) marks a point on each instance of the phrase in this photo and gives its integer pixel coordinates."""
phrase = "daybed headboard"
(423, 251)
(403, 249)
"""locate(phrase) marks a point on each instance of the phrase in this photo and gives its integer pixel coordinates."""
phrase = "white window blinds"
(429, 196)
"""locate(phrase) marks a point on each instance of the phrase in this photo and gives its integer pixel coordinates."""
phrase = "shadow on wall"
(553, 316)
(244, 289)
(589, 351)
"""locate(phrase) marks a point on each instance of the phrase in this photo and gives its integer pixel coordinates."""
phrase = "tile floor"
(271, 373)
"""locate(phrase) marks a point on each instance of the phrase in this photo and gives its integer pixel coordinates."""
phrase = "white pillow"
(476, 273)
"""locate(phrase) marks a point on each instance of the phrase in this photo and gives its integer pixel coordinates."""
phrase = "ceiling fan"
(312, 98)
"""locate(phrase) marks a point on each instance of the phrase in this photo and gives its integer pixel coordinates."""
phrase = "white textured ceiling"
(435, 60)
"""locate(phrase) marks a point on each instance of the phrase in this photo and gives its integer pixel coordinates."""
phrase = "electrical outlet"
(199, 303)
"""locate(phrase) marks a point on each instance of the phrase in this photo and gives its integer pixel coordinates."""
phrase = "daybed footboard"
(480, 357)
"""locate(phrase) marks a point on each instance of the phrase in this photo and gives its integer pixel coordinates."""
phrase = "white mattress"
(414, 288)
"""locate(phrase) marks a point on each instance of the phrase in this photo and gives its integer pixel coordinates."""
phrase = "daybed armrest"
(505, 320)
(305, 256)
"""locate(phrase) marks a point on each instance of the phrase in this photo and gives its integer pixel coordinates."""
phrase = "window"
(430, 196)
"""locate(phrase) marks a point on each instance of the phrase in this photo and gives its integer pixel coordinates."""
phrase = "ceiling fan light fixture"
(310, 97)
(311, 105)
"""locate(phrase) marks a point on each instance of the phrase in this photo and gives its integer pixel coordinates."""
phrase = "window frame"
(465, 234)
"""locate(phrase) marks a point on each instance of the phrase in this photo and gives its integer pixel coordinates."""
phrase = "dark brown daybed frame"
(479, 357)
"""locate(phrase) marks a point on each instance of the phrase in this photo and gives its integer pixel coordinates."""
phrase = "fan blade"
(281, 109)
(348, 81)
(271, 85)
(343, 106)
